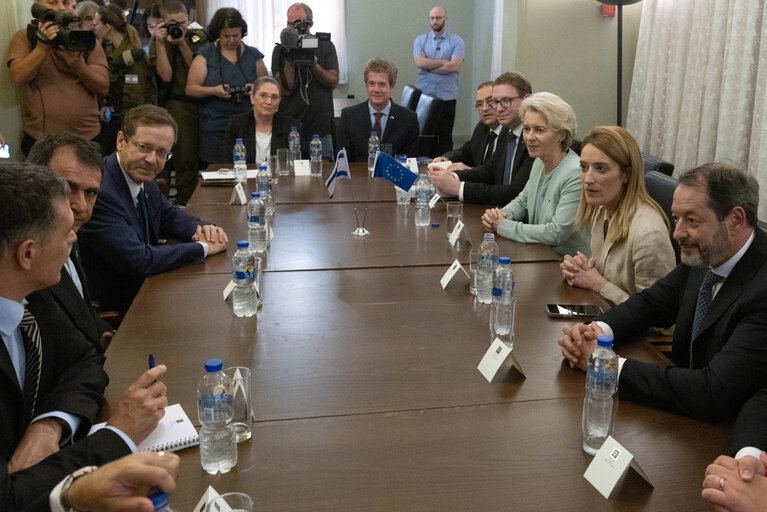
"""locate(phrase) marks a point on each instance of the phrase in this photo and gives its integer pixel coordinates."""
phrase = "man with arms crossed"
(119, 244)
(501, 179)
(717, 298)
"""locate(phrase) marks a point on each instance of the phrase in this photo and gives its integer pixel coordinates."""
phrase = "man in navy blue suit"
(394, 124)
(119, 244)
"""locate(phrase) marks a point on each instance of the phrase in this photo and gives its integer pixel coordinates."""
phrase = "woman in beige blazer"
(630, 243)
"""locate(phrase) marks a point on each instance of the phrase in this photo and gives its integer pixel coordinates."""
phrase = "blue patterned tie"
(705, 296)
(143, 216)
(34, 358)
(509, 158)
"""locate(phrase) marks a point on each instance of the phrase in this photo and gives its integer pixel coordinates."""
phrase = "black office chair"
(661, 188)
(410, 96)
(653, 163)
(428, 114)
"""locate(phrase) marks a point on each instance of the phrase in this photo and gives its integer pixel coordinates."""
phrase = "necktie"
(489, 146)
(705, 296)
(143, 217)
(377, 125)
(34, 358)
(509, 158)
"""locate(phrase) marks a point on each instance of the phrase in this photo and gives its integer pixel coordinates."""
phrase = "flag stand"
(361, 231)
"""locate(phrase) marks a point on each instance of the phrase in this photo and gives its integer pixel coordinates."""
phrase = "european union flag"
(389, 168)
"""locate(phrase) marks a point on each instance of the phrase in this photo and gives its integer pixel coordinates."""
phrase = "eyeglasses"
(504, 102)
(264, 96)
(147, 149)
(488, 102)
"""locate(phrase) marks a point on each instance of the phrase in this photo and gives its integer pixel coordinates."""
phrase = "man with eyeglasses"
(501, 179)
(439, 57)
(120, 243)
(479, 148)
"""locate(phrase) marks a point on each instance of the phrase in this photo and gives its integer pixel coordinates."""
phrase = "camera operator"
(307, 88)
(222, 74)
(59, 88)
(171, 52)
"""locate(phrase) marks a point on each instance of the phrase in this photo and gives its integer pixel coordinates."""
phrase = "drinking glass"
(234, 501)
(454, 214)
(385, 147)
(271, 163)
(283, 162)
(473, 257)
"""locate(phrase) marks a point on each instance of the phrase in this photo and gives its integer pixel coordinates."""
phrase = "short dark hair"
(170, 7)
(148, 115)
(87, 152)
(727, 186)
(517, 80)
(381, 66)
(226, 17)
(27, 193)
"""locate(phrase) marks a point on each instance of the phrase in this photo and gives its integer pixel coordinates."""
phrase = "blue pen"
(151, 361)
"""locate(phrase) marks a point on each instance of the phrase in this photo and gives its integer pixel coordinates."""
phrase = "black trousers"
(445, 127)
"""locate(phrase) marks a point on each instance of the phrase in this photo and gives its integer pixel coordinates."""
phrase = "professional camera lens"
(174, 29)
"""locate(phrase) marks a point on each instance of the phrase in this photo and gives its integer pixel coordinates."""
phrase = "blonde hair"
(559, 115)
(619, 146)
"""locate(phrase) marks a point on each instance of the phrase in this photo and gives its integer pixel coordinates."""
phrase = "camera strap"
(236, 64)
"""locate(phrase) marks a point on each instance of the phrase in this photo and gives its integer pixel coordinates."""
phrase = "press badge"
(131, 79)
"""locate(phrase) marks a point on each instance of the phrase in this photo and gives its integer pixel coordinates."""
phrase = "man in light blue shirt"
(439, 56)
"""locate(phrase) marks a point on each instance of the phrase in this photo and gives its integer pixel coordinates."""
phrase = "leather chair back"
(410, 96)
(661, 188)
(428, 114)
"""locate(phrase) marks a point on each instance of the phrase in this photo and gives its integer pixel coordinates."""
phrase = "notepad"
(174, 432)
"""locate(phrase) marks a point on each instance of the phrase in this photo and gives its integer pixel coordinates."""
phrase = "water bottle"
(486, 263)
(244, 300)
(257, 236)
(315, 154)
(294, 142)
(215, 409)
(160, 502)
(502, 309)
(240, 161)
(264, 184)
(422, 197)
(372, 150)
(600, 403)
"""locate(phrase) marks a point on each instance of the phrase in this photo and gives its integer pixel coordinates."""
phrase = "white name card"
(228, 289)
(433, 200)
(238, 191)
(302, 167)
(208, 496)
(269, 231)
(610, 466)
(456, 233)
(444, 165)
(451, 273)
(493, 359)
(412, 164)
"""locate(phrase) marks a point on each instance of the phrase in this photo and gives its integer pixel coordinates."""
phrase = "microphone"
(289, 38)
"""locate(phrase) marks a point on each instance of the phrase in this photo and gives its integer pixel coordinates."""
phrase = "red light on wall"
(608, 11)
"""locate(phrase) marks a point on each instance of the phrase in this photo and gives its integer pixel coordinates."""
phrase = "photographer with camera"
(131, 79)
(222, 74)
(59, 72)
(171, 52)
(306, 67)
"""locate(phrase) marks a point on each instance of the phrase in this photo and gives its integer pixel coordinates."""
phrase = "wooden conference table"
(365, 389)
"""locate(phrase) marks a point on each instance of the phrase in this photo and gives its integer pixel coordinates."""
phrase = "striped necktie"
(34, 358)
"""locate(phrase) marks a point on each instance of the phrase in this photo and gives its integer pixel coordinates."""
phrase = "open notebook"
(174, 432)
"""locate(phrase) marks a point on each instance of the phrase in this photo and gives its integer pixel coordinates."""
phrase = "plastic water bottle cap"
(254, 194)
(435, 224)
(159, 499)
(489, 236)
(238, 141)
(262, 167)
(293, 128)
(315, 136)
(497, 292)
(605, 341)
(242, 244)
(373, 133)
(504, 260)
(213, 365)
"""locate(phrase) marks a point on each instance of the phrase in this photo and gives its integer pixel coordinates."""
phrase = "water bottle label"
(246, 273)
(253, 218)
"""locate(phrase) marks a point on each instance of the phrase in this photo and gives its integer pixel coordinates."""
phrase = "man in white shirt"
(716, 298)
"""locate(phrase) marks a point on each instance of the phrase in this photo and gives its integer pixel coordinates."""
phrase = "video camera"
(72, 40)
(299, 45)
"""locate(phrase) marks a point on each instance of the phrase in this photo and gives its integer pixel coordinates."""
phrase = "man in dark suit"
(479, 148)
(51, 377)
(78, 161)
(394, 124)
(501, 179)
(119, 244)
(716, 297)
(740, 483)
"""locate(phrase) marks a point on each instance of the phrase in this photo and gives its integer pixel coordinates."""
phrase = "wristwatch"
(68, 483)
